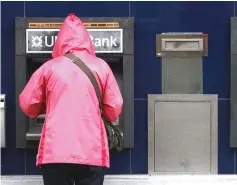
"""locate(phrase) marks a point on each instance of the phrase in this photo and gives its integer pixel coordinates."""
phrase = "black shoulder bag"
(114, 133)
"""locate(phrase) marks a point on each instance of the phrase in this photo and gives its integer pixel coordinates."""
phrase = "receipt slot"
(2, 117)
(113, 41)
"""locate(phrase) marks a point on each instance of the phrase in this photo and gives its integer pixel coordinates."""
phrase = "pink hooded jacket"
(73, 131)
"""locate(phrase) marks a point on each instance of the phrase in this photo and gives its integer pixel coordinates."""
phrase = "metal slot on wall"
(182, 44)
(2, 119)
(181, 57)
(182, 122)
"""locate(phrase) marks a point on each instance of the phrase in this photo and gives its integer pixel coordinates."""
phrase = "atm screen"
(33, 64)
(116, 66)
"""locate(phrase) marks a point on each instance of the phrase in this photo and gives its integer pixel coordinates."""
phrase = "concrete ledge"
(137, 180)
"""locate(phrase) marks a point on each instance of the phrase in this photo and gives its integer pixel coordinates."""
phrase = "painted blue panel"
(12, 159)
(225, 153)
(147, 68)
(139, 157)
(120, 162)
(182, 17)
(30, 163)
(235, 6)
(82, 9)
(207, 17)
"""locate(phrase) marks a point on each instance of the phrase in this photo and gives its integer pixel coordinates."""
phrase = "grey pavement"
(137, 180)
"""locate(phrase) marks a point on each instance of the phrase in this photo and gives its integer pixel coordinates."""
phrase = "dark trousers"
(72, 174)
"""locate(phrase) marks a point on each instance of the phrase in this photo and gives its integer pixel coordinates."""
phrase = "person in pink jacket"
(73, 147)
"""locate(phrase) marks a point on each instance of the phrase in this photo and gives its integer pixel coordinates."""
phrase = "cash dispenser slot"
(35, 127)
(118, 54)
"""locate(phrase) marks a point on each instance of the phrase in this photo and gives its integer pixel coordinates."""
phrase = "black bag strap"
(89, 74)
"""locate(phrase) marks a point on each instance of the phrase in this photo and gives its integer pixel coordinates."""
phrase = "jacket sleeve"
(32, 98)
(112, 98)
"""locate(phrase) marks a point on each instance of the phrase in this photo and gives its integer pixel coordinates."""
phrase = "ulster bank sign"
(104, 40)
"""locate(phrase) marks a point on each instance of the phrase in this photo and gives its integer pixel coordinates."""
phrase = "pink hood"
(72, 36)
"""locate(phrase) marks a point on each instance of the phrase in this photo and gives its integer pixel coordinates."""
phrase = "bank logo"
(104, 40)
(36, 41)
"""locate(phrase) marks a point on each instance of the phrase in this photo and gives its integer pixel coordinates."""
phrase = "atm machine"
(113, 39)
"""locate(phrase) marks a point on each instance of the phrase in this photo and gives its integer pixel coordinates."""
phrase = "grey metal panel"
(20, 33)
(20, 23)
(151, 133)
(21, 119)
(128, 106)
(183, 132)
(233, 28)
(128, 41)
(182, 75)
(233, 84)
(233, 102)
(198, 105)
(20, 42)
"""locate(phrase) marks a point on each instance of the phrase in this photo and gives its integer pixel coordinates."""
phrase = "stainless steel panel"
(182, 75)
(3, 120)
(182, 134)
